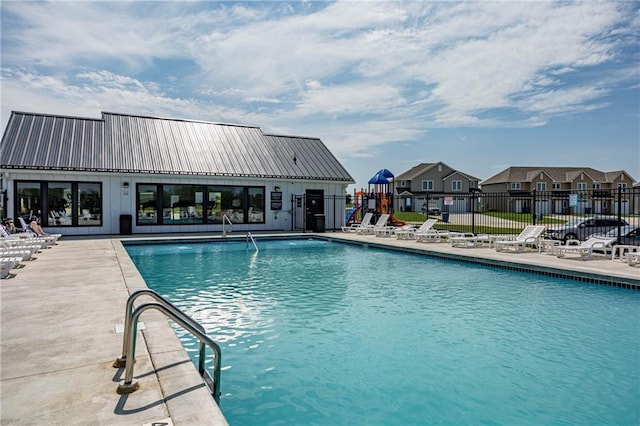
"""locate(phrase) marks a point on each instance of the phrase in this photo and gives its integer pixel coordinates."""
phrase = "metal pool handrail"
(128, 312)
(224, 231)
(171, 311)
(250, 237)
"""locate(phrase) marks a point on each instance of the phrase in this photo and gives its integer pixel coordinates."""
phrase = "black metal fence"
(504, 213)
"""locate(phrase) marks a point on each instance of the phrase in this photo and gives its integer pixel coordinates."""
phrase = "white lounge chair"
(434, 236)
(469, 240)
(366, 221)
(25, 254)
(633, 259)
(50, 238)
(410, 233)
(7, 264)
(390, 231)
(528, 238)
(370, 229)
(586, 249)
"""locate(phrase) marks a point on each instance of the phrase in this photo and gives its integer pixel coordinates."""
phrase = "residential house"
(435, 185)
(134, 174)
(557, 190)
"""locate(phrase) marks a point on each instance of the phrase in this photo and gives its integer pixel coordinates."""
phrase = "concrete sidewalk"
(58, 338)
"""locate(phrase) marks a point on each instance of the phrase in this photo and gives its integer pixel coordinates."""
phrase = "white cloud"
(358, 74)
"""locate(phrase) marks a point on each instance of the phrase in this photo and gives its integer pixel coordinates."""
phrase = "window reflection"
(28, 200)
(89, 204)
(256, 205)
(67, 203)
(195, 204)
(182, 204)
(147, 197)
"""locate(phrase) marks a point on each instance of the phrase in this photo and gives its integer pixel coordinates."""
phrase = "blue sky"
(480, 86)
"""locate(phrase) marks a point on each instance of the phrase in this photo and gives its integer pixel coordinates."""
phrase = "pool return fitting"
(127, 359)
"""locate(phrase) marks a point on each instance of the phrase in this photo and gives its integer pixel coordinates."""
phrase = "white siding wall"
(117, 200)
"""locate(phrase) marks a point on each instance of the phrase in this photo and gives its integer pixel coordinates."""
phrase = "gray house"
(133, 174)
(434, 185)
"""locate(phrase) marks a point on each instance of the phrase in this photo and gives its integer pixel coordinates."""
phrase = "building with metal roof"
(149, 174)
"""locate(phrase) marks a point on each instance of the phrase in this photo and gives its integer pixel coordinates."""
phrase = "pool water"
(314, 332)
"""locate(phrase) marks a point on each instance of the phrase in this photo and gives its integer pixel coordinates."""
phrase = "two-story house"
(558, 190)
(435, 185)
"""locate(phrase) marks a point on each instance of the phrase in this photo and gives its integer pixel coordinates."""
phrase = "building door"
(314, 201)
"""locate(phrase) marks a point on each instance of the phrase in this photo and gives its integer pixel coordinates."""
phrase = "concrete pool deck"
(58, 332)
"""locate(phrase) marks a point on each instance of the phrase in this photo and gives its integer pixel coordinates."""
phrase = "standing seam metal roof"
(138, 144)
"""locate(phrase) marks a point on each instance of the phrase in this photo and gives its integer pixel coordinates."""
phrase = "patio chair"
(586, 249)
(366, 221)
(469, 240)
(7, 264)
(633, 259)
(410, 233)
(25, 254)
(49, 238)
(370, 229)
(528, 238)
(390, 231)
(434, 236)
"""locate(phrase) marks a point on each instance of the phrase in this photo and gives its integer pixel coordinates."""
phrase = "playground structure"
(378, 199)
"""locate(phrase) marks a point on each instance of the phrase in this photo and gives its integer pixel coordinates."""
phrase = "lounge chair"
(25, 254)
(410, 233)
(586, 249)
(633, 259)
(469, 240)
(434, 236)
(528, 238)
(50, 238)
(7, 264)
(390, 231)
(370, 229)
(366, 221)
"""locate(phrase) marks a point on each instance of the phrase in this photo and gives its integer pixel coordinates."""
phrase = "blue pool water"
(314, 332)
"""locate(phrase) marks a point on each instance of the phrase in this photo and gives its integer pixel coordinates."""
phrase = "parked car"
(581, 228)
(629, 235)
(431, 209)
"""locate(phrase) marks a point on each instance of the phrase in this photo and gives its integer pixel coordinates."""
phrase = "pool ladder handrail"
(250, 237)
(224, 231)
(186, 322)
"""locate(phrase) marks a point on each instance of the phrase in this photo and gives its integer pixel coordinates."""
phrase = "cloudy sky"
(480, 86)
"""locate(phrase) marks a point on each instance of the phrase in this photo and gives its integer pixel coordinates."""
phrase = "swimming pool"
(314, 332)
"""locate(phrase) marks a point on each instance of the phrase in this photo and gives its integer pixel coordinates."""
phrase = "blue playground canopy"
(386, 173)
(378, 179)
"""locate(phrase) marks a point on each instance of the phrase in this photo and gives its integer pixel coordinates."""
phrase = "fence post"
(335, 205)
(619, 212)
(533, 207)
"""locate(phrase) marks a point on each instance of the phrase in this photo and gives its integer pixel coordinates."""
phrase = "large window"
(541, 186)
(196, 204)
(182, 204)
(60, 200)
(89, 204)
(456, 185)
(427, 185)
(28, 200)
(256, 205)
(60, 203)
(228, 203)
(147, 201)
